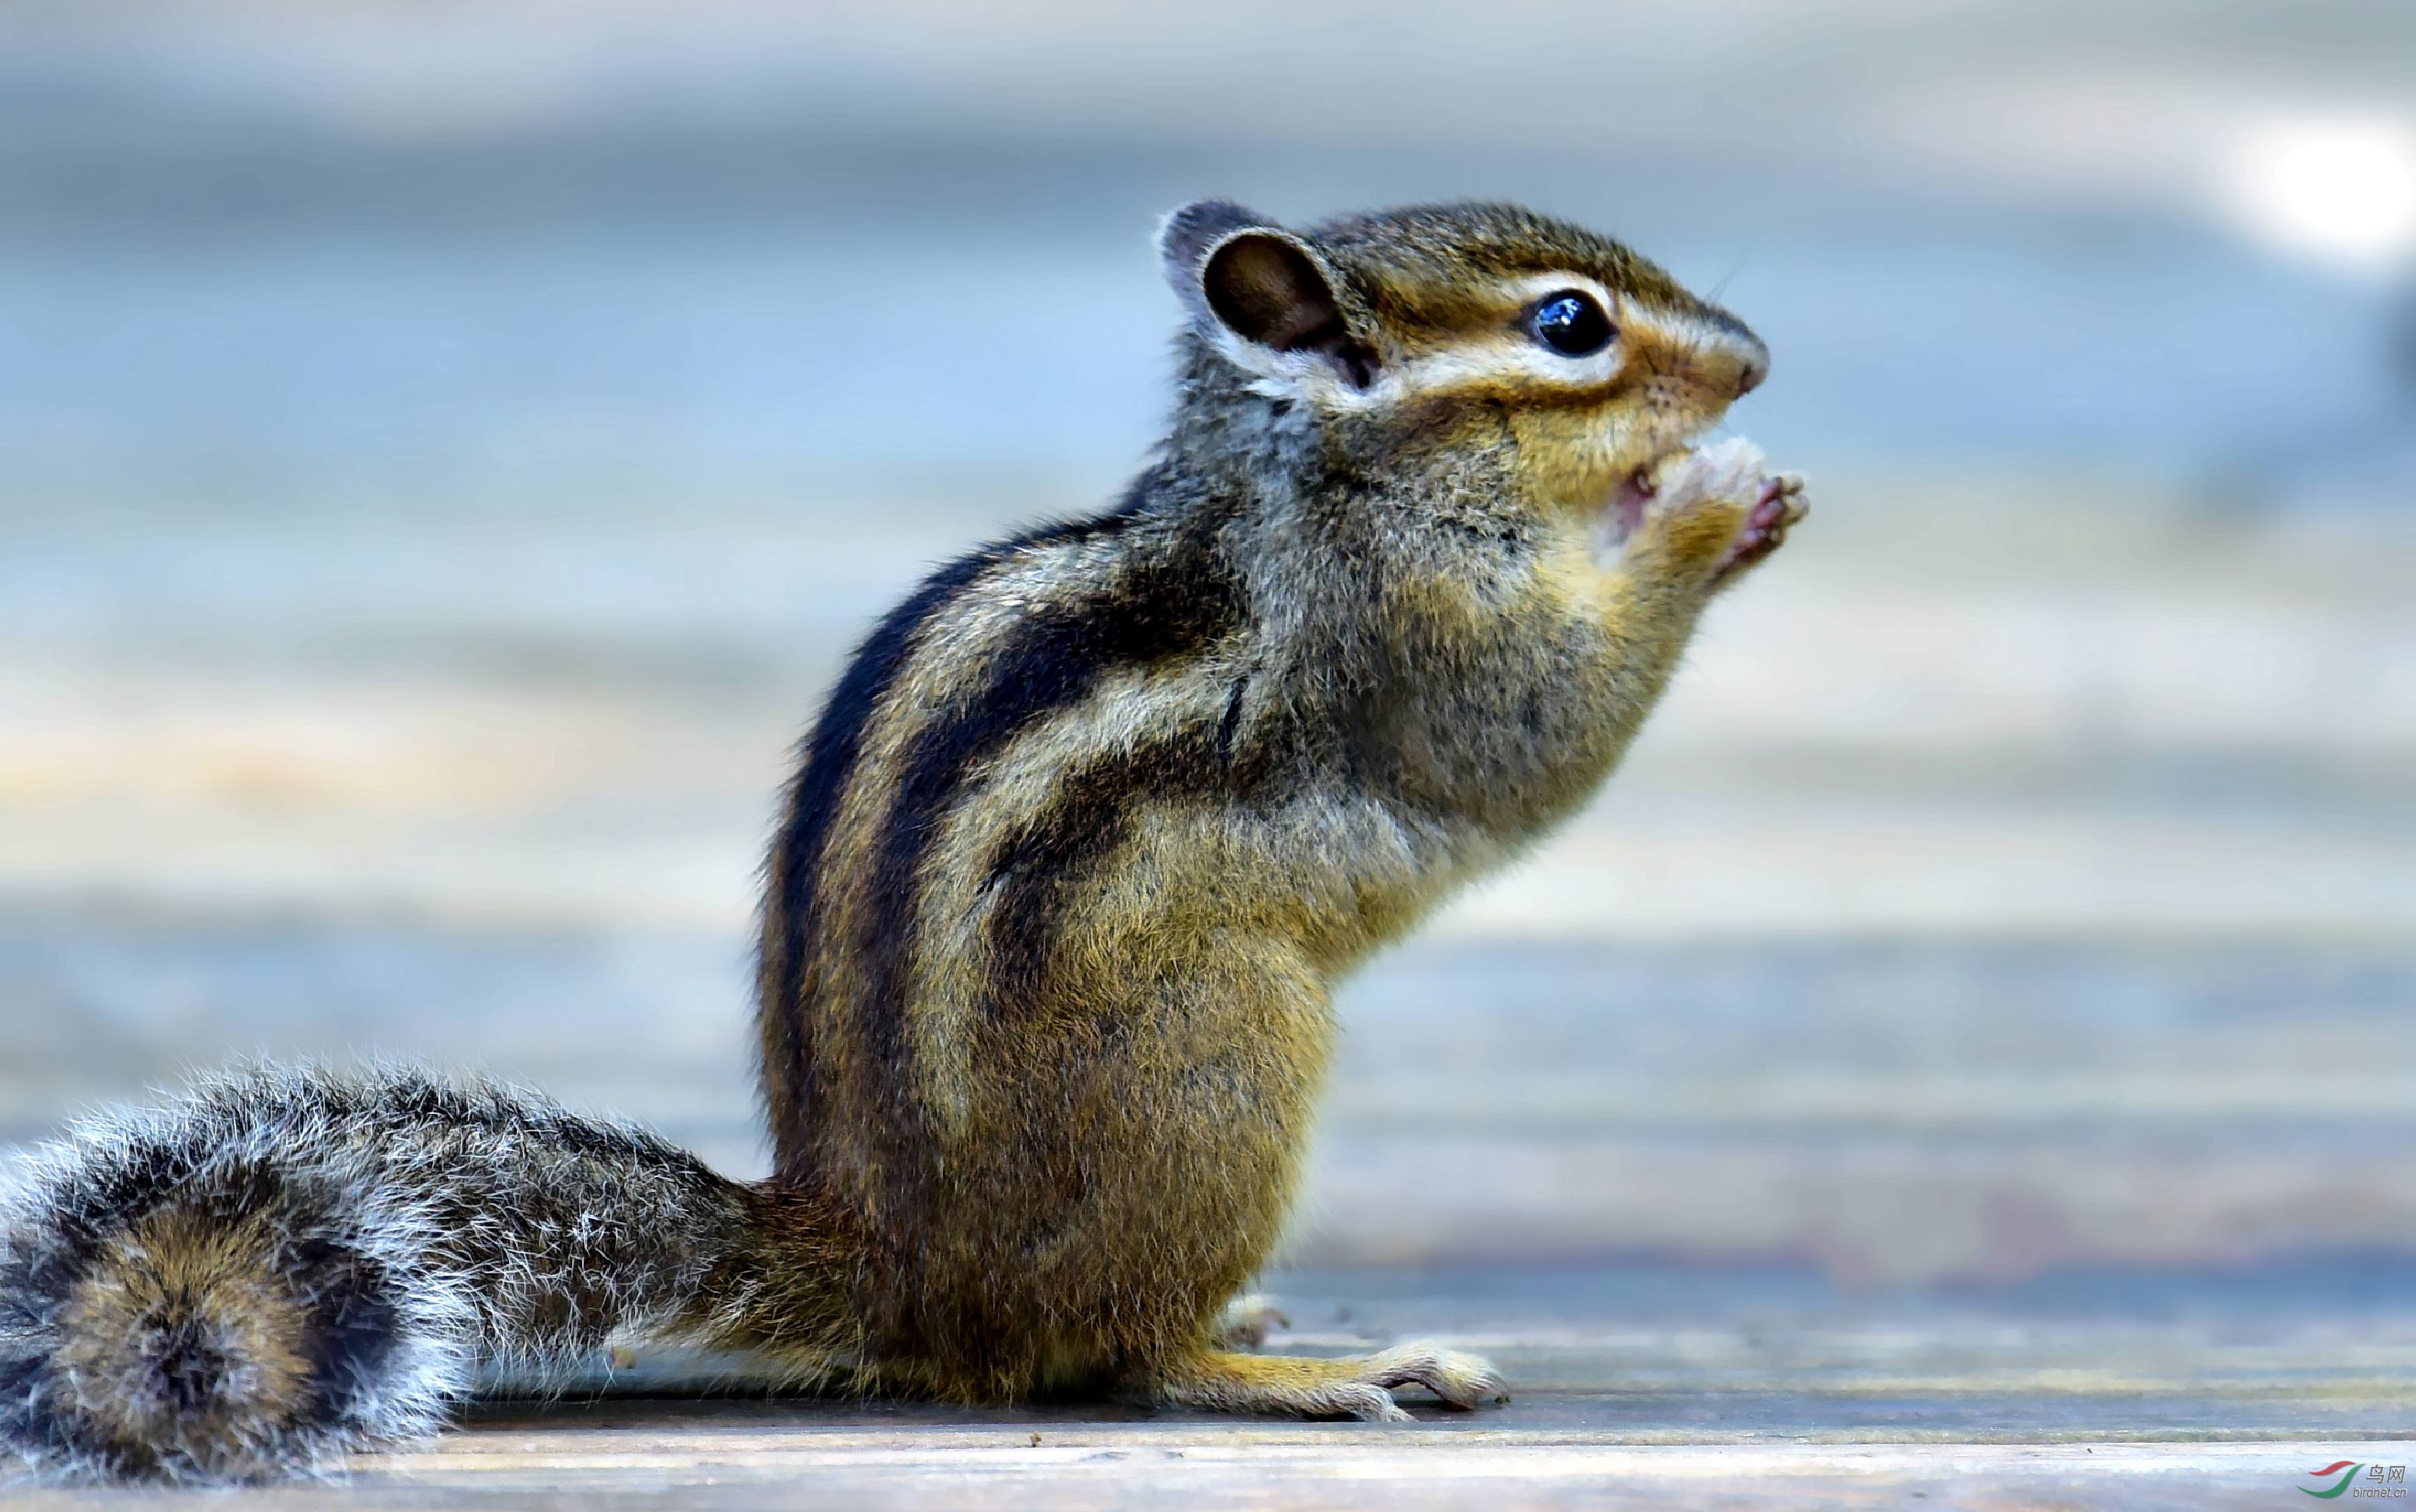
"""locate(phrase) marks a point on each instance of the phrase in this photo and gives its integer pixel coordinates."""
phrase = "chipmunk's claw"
(1780, 505)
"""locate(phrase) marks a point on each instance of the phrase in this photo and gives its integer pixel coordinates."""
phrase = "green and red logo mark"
(2381, 1481)
(2345, 1469)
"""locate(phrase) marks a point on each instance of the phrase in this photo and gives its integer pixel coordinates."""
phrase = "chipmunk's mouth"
(1635, 492)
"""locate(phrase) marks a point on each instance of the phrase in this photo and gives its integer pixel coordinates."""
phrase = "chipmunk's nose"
(1753, 362)
(1750, 374)
(1740, 361)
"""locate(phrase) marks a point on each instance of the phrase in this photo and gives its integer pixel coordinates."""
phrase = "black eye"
(1571, 324)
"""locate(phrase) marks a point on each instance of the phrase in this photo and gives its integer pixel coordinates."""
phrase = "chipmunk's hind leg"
(1360, 1386)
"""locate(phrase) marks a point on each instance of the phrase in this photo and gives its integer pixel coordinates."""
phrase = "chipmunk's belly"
(1132, 1165)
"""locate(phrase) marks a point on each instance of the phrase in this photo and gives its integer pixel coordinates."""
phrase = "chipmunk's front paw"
(1245, 1321)
(1710, 515)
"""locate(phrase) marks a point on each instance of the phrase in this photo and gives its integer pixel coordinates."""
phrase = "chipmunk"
(1086, 835)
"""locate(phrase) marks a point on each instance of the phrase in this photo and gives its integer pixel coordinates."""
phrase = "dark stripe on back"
(1037, 874)
(793, 902)
(1159, 607)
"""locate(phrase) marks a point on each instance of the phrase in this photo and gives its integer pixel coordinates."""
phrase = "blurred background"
(446, 449)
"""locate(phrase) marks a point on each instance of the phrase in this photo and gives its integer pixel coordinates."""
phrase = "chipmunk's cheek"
(1566, 468)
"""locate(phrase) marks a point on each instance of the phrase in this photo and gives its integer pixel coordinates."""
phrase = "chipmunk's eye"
(1571, 324)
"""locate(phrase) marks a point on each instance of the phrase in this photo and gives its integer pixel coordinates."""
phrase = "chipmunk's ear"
(1264, 288)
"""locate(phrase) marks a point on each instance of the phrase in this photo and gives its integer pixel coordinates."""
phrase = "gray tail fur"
(288, 1267)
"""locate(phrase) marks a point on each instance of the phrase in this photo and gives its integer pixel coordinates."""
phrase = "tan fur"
(223, 1286)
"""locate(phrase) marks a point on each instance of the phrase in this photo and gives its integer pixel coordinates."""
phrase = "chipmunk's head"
(1453, 333)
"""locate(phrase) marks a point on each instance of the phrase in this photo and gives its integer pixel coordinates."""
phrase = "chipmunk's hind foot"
(1356, 1386)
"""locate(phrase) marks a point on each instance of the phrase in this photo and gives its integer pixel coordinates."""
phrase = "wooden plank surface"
(1635, 1387)
(775, 1464)
(659, 1455)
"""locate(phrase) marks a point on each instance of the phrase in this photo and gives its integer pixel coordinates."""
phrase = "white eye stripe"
(1510, 351)
(1460, 368)
(1670, 328)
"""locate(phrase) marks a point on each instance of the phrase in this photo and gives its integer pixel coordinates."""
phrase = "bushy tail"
(288, 1267)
